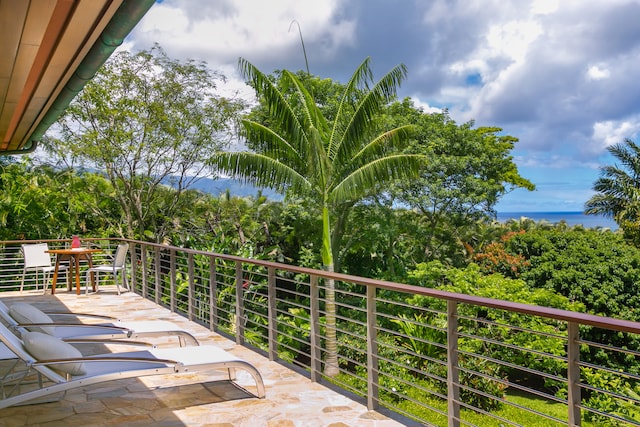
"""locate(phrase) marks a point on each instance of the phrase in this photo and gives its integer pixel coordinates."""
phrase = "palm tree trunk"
(331, 341)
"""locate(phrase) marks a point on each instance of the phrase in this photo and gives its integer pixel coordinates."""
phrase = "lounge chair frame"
(102, 331)
(113, 366)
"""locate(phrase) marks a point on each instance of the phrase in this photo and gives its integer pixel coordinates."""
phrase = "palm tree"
(618, 189)
(332, 164)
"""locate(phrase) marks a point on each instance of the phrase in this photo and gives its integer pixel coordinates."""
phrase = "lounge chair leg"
(232, 373)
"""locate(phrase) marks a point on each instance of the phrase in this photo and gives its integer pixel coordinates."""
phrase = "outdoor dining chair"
(37, 259)
(118, 265)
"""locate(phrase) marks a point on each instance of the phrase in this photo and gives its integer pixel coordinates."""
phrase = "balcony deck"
(186, 400)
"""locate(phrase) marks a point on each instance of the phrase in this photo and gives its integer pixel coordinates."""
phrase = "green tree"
(618, 190)
(147, 122)
(333, 162)
(469, 170)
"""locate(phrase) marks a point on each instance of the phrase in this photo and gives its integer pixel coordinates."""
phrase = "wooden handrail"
(546, 312)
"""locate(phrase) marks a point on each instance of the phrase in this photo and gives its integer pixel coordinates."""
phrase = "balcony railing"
(435, 357)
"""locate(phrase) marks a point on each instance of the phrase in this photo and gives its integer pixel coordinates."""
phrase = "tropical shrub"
(495, 259)
(497, 332)
(595, 268)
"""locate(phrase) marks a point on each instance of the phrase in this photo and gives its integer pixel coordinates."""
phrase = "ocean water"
(571, 218)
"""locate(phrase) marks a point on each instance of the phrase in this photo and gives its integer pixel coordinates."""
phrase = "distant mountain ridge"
(236, 188)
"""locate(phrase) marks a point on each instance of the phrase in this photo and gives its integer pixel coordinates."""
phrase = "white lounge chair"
(60, 367)
(25, 317)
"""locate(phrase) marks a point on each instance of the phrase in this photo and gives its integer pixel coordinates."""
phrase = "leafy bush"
(495, 259)
(606, 402)
(482, 392)
(598, 269)
(486, 324)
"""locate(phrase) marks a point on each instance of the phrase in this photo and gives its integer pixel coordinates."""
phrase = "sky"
(559, 75)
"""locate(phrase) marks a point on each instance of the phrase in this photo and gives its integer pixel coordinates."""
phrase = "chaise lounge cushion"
(26, 313)
(45, 347)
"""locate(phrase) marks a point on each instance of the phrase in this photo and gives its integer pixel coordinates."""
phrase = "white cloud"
(598, 72)
(543, 7)
(612, 132)
(252, 29)
(474, 65)
(512, 39)
(425, 106)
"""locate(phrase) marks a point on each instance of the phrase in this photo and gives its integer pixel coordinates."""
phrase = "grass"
(522, 408)
(508, 412)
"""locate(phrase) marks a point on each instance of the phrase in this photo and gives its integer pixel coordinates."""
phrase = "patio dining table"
(74, 255)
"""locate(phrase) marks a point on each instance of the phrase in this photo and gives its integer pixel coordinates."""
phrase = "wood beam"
(59, 18)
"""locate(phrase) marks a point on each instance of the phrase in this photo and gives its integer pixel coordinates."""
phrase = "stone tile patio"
(189, 399)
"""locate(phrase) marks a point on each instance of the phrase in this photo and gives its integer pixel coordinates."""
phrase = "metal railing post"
(143, 259)
(213, 294)
(192, 285)
(573, 374)
(314, 333)
(134, 267)
(453, 373)
(372, 351)
(272, 313)
(172, 279)
(158, 290)
(239, 305)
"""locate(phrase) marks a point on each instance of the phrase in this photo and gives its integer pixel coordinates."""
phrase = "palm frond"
(311, 111)
(628, 153)
(368, 107)
(315, 129)
(615, 181)
(381, 171)
(618, 187)
(360, 77)
(272, 144)
(603, 205)
(385, 142)
(259, 170)
(319, 166)
(277, 104)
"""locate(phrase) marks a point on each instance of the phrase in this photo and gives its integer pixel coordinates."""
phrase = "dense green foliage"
(50, 203)
(146, 121)
(468, 171)
(597, 269)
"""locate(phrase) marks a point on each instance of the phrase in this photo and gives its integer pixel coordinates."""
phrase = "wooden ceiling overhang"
(48, 50)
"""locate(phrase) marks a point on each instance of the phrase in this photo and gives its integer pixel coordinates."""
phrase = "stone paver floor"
(187, 399)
